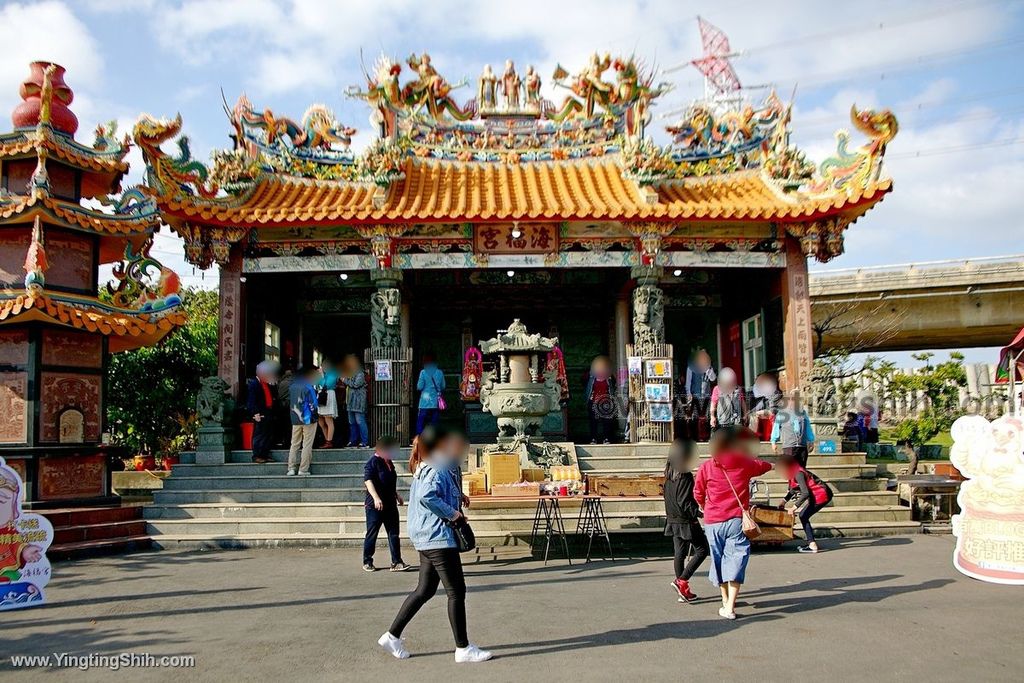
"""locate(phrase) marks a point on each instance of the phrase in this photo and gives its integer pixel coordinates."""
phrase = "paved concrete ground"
(867, 610)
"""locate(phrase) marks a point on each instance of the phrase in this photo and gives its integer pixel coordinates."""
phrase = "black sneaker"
(368, 567)
(400, 567)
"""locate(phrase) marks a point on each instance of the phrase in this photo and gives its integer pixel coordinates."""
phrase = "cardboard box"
(502, 468)
(533, 474)
(474, 483)
(516, 490)
(648, 486)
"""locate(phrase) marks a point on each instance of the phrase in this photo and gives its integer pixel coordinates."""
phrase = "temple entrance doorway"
(453, 310)
(331, 337)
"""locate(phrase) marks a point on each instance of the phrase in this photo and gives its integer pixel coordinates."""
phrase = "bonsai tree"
(939, 386)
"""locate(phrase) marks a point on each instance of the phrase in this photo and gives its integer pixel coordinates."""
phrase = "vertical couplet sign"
(24, 538)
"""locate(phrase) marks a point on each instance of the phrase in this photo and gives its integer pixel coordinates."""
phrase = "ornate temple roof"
(24, 209)
(509, 154)
(105, 159)
(127, 329)
(445, 191)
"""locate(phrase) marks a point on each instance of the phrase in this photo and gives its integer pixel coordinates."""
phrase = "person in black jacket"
(681, 517)
(260, 404)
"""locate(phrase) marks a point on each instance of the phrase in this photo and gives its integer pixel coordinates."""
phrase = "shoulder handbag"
(464, 536)
(750, 527)
(321, 397)
(441, 403)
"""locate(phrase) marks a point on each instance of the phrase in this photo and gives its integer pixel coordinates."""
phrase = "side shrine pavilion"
(58, 225)
(460, 217)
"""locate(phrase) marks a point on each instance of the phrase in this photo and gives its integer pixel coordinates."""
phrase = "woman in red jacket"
(722, 490)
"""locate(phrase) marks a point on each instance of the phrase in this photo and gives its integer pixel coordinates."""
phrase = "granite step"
(502, 542)
(826, 472)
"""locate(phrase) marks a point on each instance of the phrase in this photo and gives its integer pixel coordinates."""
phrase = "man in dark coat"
(261, 408)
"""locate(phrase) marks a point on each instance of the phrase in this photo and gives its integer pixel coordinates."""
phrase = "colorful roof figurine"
(48, 174)
(508, 154)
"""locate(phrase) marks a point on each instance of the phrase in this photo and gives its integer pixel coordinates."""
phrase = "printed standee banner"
(990, 527)
(24, 539)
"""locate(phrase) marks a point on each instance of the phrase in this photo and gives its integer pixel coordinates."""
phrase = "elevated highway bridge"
(932, 305)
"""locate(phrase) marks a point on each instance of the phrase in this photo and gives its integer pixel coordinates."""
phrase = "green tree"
(152, 391)
(940, 385)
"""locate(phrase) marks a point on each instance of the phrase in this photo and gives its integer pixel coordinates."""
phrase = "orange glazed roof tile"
(70, 152)
(135, 329)
(22, 208)
(554, 190)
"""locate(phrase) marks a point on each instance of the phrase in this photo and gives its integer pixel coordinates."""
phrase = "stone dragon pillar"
(386, 310)
(648, 312)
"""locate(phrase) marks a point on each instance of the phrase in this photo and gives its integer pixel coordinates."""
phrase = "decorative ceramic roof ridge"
(91, 314)
(25, 140)
(76, 216)
(606, 159)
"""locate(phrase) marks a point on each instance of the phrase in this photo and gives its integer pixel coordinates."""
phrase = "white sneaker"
(292, 473)
(396, 646)
(303, 474)
(471, 653)
(726, 615)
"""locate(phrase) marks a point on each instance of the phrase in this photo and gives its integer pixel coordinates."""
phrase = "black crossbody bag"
(464, 536)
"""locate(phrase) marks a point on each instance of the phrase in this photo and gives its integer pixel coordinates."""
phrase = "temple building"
(58, 226)
(462, 216)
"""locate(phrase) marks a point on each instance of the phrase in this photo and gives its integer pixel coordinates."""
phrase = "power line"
(884, 68)
(866, 28)
(952, 149)
(928, 104)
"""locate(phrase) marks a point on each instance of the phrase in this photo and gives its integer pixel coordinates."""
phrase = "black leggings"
(805, 517)
(699, 546)
(437, 566)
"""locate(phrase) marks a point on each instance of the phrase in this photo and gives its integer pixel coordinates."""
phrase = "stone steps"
(484, 525)
(240, 504)
(826, 472)
(480, 507)
(495, 545)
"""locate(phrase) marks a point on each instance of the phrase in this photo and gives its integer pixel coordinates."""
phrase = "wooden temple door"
(389, 371)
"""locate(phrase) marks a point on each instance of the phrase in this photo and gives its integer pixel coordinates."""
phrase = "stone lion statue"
(212, 401)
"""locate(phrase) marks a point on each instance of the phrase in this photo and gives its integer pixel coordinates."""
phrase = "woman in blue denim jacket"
(434, 504)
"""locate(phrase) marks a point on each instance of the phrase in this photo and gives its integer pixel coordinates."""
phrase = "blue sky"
(950, 69)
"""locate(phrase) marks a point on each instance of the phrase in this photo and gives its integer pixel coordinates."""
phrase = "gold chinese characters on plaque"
(515, 238)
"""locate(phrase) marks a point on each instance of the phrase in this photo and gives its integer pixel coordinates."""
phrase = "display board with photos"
(651, 395)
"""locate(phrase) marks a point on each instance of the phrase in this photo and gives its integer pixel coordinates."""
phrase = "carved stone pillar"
(232, 322)
(386, 309)
(796, 303)
(648, 311)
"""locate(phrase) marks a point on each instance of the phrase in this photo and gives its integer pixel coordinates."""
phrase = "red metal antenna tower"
(720, 77)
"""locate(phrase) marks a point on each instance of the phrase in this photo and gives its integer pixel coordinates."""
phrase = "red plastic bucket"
(247, 428)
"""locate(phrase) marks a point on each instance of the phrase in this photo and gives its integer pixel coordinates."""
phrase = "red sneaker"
(682, 587)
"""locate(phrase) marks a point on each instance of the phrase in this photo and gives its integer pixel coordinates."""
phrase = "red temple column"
(796, 306)
(232, 322)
